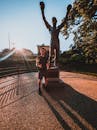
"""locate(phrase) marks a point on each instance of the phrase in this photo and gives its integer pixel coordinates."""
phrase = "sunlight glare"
(19, 49)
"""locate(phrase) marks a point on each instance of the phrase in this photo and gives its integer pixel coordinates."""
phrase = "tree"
(82, 22)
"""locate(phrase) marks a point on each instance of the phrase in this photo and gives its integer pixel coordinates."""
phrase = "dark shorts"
(42, 74)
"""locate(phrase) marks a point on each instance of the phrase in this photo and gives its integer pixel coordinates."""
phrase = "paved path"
(27, 110)
(84, 84)
(70, 104)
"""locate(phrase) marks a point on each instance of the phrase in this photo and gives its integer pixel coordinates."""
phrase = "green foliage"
(71, 57)
(77, 58)
(82, 22)
(63, 60)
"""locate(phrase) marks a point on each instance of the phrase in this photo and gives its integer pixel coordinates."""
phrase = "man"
(54, 30)
(42, 64)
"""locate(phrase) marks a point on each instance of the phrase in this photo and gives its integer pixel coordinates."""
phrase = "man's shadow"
(76, 104)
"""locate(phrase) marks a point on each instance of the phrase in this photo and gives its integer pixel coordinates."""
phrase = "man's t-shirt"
(43, 61)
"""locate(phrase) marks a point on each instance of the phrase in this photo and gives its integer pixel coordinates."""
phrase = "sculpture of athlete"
(54, 30)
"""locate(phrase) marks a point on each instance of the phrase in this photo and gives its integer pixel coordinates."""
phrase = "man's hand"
(40, 65)
(42, 5)
(69, 7)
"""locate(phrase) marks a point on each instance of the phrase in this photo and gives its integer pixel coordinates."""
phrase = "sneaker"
(45, 87)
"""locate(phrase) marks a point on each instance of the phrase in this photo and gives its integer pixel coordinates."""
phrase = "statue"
(54, 31)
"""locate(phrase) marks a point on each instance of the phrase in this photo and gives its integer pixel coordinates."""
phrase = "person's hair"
(43, 48)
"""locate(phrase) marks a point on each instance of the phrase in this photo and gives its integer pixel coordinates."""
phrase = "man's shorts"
(42, 74)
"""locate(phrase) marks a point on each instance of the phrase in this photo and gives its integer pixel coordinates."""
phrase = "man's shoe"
(45, 87)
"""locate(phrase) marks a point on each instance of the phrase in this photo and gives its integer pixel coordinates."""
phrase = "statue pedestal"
(53, 74)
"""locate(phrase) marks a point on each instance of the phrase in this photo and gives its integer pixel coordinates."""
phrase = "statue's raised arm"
(42, 6)
(69, 7)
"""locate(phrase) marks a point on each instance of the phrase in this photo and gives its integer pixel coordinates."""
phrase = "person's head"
(43, 51)
(54, 21)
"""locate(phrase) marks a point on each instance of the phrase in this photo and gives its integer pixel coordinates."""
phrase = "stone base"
(53, 73)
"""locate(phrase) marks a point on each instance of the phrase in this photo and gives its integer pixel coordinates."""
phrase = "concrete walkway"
(27, 110)
(70, 104)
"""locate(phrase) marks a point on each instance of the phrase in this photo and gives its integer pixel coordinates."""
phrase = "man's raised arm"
(42, 6)
(66, 18)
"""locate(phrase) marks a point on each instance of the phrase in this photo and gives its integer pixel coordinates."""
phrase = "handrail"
(12, 70)
(7, 68)
(8, 55)
(16, 71)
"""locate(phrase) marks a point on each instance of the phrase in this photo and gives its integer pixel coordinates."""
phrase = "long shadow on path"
(79, 107)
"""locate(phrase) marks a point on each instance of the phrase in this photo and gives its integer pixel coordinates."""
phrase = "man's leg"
(46, 84)
(45, 77)
(39, 85)
(46, 81)
(39, 81)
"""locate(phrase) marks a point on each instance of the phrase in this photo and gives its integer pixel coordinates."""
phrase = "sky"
(21, 23)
